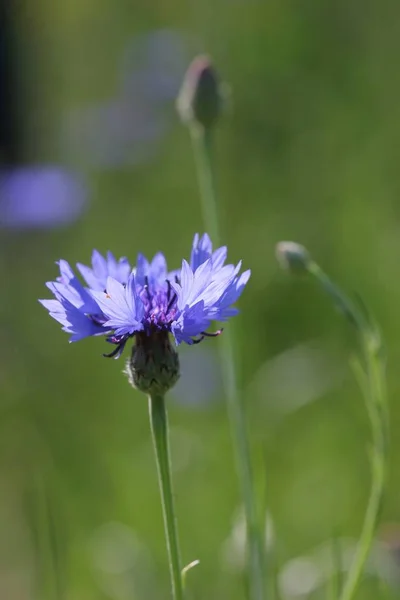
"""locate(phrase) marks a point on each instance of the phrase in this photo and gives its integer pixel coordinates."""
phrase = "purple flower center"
(159, 305)
(159, 312)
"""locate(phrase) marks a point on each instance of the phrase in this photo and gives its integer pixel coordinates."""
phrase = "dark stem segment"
(159, 430)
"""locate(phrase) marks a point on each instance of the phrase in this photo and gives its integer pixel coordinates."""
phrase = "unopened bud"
(154, 364)
(200, 98)
(292, 256)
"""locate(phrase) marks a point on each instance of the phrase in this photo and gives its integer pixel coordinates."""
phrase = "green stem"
(45, 553)
(202, 148)
(373, 384)
(202, 145)
(376, 402)
(159, 430)
(341, 301)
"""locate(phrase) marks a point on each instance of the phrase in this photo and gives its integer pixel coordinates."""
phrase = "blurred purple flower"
(126, 128)
(114, 134)
(41, 196)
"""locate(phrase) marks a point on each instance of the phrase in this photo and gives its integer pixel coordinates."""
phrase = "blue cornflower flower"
(147, 301)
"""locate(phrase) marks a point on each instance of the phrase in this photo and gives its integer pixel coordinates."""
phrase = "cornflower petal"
(201, 250)
(158, 268)
(154, 272)
(201, 279)
(53, 306)
(69, 286)
(192, 285)
(190, 324)
(72, 319)
(99, 267)
(134, 303)
(118, 304)
(142, 269)
(219, 257)
(223, 310)
(184, 286)
(78, 298)
(119, 270)
(96, 277)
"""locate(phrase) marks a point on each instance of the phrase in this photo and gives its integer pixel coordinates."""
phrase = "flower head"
(147, 301)
(200, 98)
(292, 256)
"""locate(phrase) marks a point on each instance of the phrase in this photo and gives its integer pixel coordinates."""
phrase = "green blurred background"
(309, 150)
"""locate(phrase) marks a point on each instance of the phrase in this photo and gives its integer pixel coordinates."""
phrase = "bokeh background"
(93, 156)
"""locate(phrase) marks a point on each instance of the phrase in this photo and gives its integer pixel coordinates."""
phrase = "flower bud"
(292, 256)
(154, 364)
(200, 99)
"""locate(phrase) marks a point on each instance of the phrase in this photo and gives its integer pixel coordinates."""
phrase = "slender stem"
(341, 301)
(202, 148)
(202, 145)
(373, 385)
(337, 565)
(46, 555)
(376, 402)
(159, 430)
